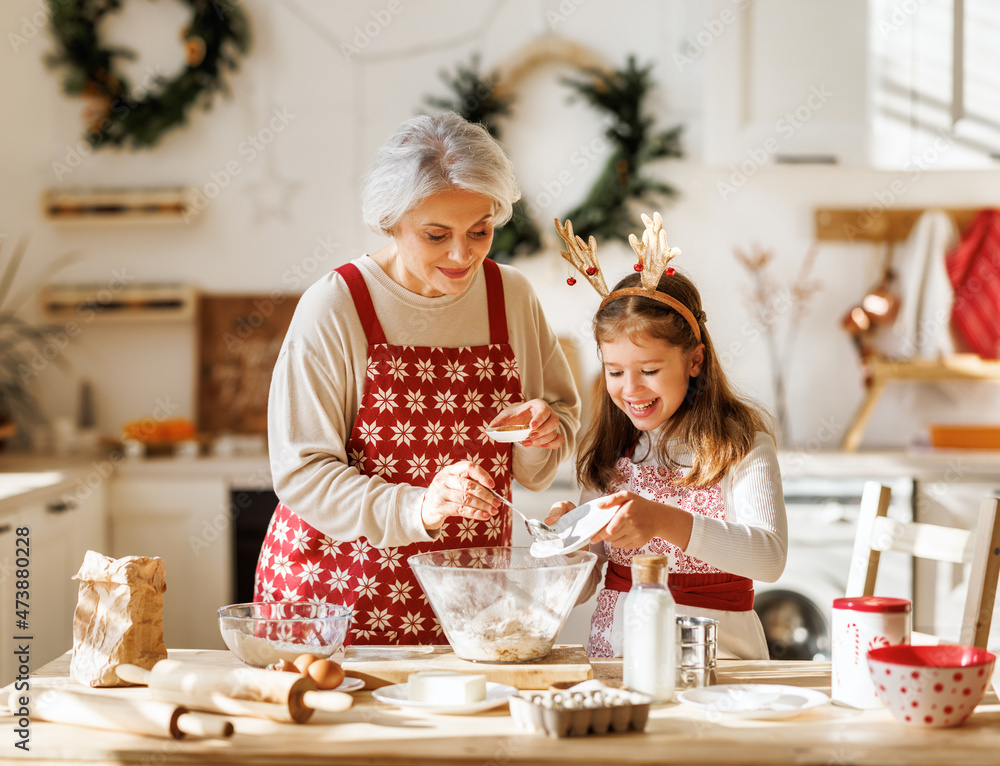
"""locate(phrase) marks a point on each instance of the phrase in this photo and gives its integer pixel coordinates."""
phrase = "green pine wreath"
(214, 36)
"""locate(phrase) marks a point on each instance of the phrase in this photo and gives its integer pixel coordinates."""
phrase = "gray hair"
(431, 154)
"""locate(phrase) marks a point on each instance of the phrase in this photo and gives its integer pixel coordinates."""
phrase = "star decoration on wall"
(271, 195)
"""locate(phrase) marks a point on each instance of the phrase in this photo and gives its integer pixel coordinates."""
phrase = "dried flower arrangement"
(772, 304)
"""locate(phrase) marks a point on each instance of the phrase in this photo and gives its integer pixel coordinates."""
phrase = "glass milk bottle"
(649, 662)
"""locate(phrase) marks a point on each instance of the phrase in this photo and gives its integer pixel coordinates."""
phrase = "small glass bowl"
(262, 633)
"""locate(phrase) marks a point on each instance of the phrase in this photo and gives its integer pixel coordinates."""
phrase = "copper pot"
(856, 321)
(881, 305)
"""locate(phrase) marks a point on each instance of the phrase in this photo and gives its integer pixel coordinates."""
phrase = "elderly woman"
(392, 367)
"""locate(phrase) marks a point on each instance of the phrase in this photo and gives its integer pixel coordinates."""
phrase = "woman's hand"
(558, 510)
(639, 520)
(539, 416)
(458, 489)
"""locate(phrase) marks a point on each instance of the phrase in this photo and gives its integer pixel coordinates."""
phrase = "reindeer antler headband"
(653, 255)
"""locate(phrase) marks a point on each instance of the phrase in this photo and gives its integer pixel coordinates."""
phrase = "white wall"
(262, 233)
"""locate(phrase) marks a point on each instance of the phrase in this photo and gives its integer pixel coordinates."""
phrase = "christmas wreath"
(477, 100)
(120, 115)
(620, 94)
(604, 212)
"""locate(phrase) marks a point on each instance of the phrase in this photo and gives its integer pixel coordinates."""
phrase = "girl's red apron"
(423, 408)
(692, 582)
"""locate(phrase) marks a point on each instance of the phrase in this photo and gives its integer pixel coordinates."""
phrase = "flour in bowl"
(505, 632)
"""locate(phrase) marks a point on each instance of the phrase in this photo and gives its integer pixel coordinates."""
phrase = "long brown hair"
(714, 423)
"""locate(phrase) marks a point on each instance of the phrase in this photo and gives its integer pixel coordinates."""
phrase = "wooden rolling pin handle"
(330, 702)
(133, 674)
(204, 725)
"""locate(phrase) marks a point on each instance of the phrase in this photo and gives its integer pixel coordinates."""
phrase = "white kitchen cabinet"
(186, 522)
(786, 81)
(905, 86)
(8, 663)
(934, 80)
(62, 525)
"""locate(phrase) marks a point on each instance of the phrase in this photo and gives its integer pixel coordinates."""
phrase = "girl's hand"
(539, 415)
(558, 510)
(637, 521)
(458, 489)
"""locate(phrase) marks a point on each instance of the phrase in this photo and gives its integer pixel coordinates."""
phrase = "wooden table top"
(375, 733)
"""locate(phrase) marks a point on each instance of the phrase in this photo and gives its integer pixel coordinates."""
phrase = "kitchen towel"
(974, 269)
(921, 329)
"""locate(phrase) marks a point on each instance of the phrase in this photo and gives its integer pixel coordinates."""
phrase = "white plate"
(350, 685)
(508, 436)
(753, 700)
(575, 529)
(398, 695)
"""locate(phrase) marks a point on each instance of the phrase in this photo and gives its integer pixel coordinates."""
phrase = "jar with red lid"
(862, 623)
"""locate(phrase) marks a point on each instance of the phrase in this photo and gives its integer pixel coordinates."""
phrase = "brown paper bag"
(118, 618)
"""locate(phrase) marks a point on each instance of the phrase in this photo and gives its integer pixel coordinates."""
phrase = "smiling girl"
(691, 467)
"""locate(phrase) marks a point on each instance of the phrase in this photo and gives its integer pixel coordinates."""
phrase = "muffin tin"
(587, 708)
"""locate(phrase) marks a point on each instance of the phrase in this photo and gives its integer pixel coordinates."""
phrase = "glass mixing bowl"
(264, 632)
(501, 604)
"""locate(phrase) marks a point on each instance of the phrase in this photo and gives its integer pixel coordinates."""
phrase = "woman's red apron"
(692, 582)
(423, 408)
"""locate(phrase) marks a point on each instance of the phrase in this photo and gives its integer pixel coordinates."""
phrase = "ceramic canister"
(862, 623)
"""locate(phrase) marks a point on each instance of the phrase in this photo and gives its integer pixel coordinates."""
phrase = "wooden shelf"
(134, 303)
(132, 206)
(885, 371)
(887, 225)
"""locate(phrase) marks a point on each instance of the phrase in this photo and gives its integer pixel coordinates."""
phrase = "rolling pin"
(273, 694)
(151, 717)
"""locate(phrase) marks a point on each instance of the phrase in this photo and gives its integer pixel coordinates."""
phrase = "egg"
(326, 673)
(303, 661)
(285, 665)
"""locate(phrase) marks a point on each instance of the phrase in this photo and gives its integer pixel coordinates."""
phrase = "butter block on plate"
(446, 687)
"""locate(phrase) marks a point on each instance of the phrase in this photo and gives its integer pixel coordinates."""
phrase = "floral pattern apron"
(692, 581)
(423, 408)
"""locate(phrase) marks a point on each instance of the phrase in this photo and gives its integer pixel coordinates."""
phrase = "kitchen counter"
(248, 470)
(243, 470)
(374, 733)
(926, 464)
(25, 483)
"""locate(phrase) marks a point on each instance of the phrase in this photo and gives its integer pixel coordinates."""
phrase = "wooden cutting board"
(383, 665)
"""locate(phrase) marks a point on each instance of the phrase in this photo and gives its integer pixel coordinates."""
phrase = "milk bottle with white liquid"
(649, 654)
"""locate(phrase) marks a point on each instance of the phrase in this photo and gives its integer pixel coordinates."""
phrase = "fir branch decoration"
(476, 98)
(605, 213)
(116, 116)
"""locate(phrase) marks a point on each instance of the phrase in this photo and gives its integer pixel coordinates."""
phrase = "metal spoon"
(537, 529)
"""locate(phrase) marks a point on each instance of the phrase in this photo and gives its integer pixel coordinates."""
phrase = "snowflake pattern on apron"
(423, 408)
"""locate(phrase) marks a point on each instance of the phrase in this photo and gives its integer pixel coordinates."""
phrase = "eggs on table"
(326, 674)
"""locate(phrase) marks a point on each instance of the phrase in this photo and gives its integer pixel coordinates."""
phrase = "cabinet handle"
(61, 507)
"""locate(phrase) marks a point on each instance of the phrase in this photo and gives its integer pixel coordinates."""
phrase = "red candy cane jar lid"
(872, 604)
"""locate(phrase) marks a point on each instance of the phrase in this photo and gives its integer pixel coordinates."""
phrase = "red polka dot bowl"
(933, 686)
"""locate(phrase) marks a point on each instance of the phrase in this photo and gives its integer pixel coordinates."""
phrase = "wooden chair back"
(980, 547)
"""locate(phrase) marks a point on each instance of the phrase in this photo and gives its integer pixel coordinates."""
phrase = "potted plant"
(21, 344)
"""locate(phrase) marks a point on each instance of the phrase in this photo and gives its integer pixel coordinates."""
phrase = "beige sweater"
(319, 380)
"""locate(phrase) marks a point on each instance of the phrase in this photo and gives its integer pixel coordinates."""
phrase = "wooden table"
(373, 733)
